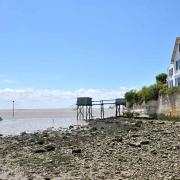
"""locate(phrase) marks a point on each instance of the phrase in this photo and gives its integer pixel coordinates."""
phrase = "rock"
(161, 123)
(94, 129)
(164, 156)
(135, 135)
(50, 147)
(45, 134)
(76, 151)
(138, 144)
(167, 132)
(138, 123)
(151, 122)
(126, 174)
(176, 147)
(135, 144)
(40, 141)
(47, 178)
(144, 142)
(1, 135)
(153, 151)
(122, 159)
(65, 137)
(71, 127)
(23, 133)
(39, 150)
(117, 139)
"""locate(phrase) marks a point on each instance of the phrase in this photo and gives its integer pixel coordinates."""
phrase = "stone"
(45, 134)
(65, 137)
(161, 123)
(117, 139)
(40, 141)
(138, 123)
(76, 151)
(126, 174)
(39, 150)
(50, 147)
(94, 129)
(71, 127)
(47, 178)
(23, 133)
(1, 135)
(145, 142)
(135, 144)
(153, 151)
(135, 135)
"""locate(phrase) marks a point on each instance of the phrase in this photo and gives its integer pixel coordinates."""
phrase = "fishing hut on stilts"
(85, 104)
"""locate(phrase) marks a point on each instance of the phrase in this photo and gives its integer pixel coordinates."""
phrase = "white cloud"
(8, 81)
(32, 98)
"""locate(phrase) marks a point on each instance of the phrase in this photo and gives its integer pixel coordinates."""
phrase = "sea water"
(32, 120)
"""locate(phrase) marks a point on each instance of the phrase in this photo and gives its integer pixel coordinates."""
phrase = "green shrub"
(173, 90)
(148, 93)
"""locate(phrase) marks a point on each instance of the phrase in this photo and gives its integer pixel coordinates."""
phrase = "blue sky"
(68, 45)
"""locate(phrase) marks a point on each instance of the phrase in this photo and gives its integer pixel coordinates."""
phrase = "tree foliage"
(161, 78)
(147, 93)
(131, 97)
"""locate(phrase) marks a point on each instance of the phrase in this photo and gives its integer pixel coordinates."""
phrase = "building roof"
(175, 47)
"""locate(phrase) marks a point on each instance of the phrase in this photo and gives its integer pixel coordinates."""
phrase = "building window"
(177, 82)
(177, 65)
(171, 83)
(171, 72)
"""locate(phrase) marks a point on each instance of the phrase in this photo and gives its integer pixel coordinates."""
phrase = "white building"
(174, 68)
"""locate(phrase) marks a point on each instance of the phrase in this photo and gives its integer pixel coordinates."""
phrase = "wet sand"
(32, 120)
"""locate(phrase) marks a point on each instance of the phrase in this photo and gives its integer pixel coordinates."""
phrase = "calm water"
(38, 119)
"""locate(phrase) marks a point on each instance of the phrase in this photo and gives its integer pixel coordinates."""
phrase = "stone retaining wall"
(169, 105)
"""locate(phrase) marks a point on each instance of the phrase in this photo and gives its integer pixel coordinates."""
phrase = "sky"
(53, 51)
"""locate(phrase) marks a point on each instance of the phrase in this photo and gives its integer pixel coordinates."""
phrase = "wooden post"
(13, 109)
(118, 110)
(102, 110)
(86, 112)
(77, 112)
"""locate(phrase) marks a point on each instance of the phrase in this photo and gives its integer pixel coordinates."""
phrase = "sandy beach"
(108, 149)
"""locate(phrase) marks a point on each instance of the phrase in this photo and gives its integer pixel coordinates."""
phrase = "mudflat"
(105, 149)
